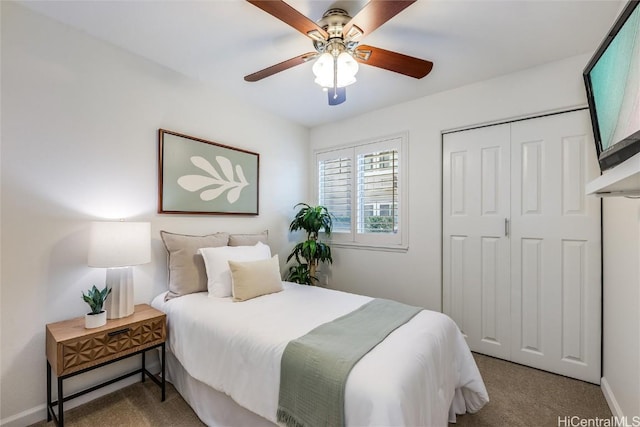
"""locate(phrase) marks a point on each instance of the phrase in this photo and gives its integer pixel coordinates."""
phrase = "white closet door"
(555, 246)
(533, 297)
(476, 189)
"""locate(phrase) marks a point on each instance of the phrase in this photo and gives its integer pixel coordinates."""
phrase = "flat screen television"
(612, 81)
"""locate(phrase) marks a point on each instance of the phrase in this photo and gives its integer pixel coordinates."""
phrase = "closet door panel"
(556, 292)
(475, 248)
(530, 262)
(574, 308)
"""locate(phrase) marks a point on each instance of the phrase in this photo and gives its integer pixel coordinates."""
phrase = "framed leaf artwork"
(196, 176)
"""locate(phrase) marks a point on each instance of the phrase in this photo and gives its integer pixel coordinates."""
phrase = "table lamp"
(117, 246)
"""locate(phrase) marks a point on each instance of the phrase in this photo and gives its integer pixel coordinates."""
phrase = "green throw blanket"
(315, 367)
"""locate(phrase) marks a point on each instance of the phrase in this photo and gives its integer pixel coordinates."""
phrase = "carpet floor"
(137, 405)
(527, 397)
(520, 396)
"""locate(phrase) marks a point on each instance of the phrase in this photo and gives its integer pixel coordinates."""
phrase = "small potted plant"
(95, 298)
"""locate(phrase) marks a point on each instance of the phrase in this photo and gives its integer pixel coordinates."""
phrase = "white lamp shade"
(347, 69)
(323, 70)
(119, 244)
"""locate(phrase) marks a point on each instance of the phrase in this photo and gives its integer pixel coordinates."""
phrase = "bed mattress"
(422, 374)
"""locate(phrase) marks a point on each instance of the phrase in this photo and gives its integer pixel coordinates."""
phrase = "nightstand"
(73, 350)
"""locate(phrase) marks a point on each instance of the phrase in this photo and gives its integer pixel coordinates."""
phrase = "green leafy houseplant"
(95, 298)
(311, 252)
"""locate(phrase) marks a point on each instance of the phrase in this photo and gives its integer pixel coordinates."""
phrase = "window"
(361, 185)
(334, 173)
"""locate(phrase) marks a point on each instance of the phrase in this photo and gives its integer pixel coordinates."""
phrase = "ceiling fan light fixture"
(323, 69)
(347, 69)
(336, 40)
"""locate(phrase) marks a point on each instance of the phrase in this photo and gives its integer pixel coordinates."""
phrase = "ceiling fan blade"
(372, 15)
(337, 95)
(393, 61)
(292, 17)
(284, 65)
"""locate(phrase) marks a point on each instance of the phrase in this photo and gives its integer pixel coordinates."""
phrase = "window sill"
(370, 247)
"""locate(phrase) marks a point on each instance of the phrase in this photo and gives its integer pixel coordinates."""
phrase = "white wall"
(621, 270)
(415, 276)
(79, 143)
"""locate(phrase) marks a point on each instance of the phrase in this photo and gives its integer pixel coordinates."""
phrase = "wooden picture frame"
(200, 177)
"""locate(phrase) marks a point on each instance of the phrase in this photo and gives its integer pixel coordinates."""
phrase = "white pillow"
(216, 262)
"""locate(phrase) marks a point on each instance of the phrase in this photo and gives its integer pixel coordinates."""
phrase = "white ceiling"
(221, 41)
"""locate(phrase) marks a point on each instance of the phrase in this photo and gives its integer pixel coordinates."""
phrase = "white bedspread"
(408, 379)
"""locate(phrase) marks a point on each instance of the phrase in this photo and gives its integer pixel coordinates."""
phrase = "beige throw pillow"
(187, 273)
(255, 278)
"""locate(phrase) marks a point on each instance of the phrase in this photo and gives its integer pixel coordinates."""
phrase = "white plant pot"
(95, 320)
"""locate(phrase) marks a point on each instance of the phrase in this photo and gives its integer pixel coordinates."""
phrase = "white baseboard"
(26, 418)
(611, 399)
(39, 412)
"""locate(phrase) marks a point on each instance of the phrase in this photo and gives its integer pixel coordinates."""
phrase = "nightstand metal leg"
(60, 402)
(163, 373)
(143, 365)
(48, 391)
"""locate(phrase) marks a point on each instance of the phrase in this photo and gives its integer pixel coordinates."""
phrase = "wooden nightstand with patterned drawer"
(73, 350)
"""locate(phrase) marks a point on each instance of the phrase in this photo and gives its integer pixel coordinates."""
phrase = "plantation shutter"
(334, 176)
(378, 192)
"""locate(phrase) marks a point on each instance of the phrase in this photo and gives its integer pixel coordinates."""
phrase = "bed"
(422, 374)
(224, 358)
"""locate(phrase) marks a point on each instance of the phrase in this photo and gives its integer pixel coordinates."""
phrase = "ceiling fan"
(336, 39)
